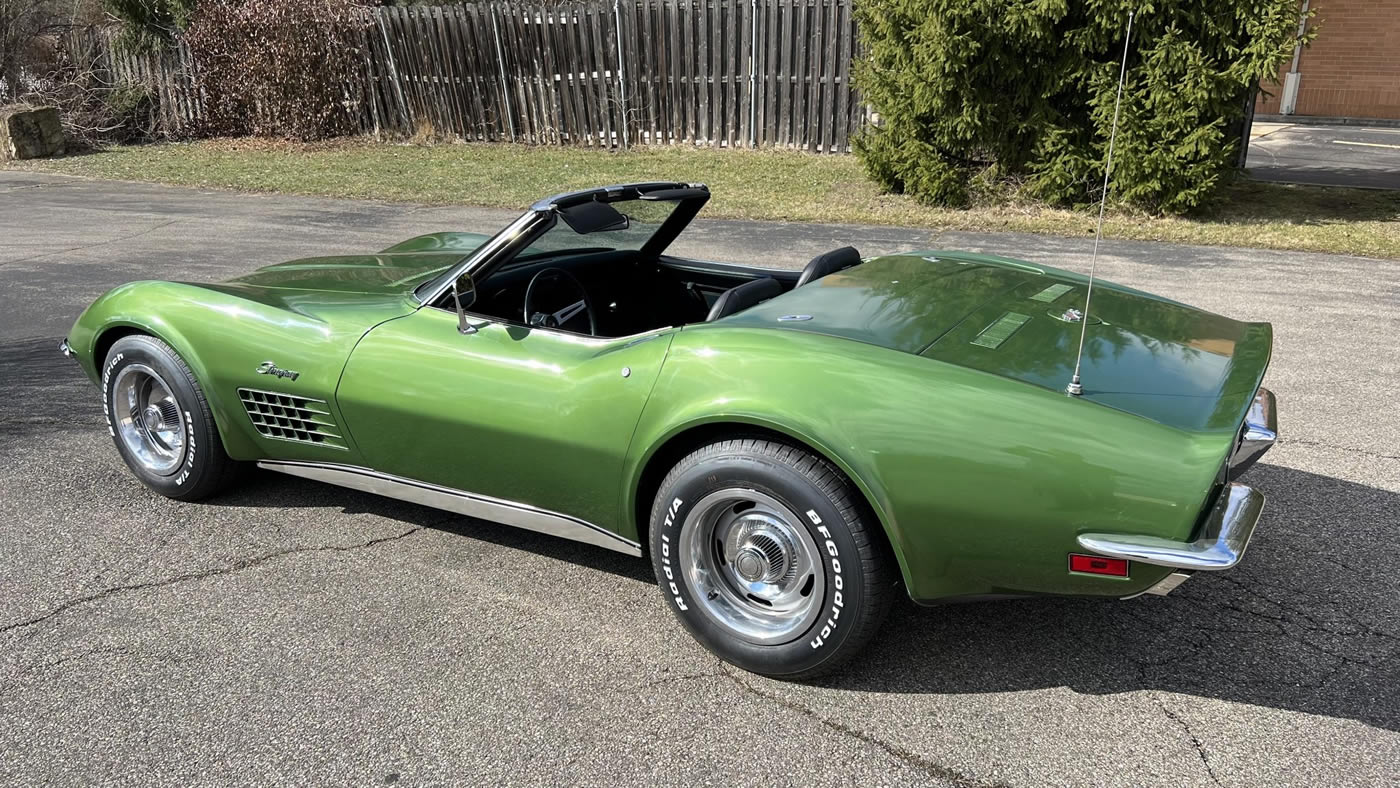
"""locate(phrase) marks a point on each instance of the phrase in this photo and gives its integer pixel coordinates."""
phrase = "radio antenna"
(1075, 389)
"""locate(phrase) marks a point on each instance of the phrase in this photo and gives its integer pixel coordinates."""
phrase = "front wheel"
(768, 556)
(161, 422)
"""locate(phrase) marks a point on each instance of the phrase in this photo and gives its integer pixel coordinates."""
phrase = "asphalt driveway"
(295, 632)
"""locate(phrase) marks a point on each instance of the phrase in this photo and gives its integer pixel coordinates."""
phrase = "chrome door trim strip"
(520, 515)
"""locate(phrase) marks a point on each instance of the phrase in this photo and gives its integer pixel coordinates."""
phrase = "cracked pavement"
(292, 631)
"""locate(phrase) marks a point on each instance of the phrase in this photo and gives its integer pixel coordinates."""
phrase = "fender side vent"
(288, 418)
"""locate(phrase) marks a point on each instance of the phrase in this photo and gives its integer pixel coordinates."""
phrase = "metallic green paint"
(441, 242)
(381, 273)
(982, 483)
(905, 302)
(1143, 354)
(981, 471)
(524, 414)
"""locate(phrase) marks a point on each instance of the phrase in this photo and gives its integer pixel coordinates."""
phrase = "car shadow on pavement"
(1308, 622)
(280, 491)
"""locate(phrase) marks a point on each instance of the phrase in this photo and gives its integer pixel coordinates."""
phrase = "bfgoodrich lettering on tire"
(768, 556)
(160, 421)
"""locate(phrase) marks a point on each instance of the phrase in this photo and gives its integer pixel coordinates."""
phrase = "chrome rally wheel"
(160, 421)
(770, 557)
(146, 417)
(755, 569)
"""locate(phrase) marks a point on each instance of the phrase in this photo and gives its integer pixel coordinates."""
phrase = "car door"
(526, 417)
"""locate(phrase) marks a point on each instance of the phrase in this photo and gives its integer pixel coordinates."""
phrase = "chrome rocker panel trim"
(520, 515)
(1222, 543)
(1258, 434)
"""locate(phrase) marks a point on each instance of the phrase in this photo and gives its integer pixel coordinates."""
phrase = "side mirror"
(463, 296)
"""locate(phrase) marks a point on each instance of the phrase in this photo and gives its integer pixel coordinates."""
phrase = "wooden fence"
(167, 74)
(736, 73)
(716, 72)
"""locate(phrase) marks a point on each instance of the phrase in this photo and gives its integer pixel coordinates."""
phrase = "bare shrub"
(71, 71)
(279, 69)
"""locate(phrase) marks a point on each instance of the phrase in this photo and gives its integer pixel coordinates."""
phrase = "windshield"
(613, 226)
(643, 218)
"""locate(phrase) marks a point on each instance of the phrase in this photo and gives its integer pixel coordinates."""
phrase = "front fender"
(131, 308)
(224, 338)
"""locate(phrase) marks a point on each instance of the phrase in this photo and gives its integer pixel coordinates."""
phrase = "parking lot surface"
(295, 632)
(1325, 155)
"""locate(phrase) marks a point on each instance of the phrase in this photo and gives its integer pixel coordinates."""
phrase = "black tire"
(200, 467)
(858, 579)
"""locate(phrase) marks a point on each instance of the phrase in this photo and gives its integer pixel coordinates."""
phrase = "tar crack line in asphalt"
(226, 570)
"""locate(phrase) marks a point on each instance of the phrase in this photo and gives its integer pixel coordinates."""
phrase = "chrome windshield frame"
(544, 211)
(522, 225)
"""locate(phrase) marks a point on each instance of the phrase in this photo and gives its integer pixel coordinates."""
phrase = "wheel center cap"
(763, 557)
(152, 418)
(751, 563)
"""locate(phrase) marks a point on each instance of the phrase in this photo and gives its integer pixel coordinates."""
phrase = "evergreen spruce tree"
(967, 89)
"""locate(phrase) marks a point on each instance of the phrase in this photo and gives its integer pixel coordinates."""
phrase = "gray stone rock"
(30, 133)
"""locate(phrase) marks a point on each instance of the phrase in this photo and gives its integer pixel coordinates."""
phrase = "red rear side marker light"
(1098, 565)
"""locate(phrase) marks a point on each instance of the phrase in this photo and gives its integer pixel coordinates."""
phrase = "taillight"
(1098, 565)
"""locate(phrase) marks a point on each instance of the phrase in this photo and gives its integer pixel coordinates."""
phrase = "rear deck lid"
(1156, 358)
(1159, 359)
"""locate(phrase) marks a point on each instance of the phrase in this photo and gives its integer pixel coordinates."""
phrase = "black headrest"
(737, 299)
(829, 263)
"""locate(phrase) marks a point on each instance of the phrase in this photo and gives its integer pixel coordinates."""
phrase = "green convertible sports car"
(788, 447)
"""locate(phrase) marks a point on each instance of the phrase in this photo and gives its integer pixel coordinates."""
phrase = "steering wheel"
(560, 318)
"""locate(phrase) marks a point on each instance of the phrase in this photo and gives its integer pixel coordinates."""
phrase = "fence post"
(621, 80)
(753, 73)
(501, 64)
(405, 111)
(370, 88)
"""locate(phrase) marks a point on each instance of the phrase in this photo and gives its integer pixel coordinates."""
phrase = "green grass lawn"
(773, 185)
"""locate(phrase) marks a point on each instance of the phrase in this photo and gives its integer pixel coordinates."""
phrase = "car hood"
(396, 270)
(358, 290)
(1146, 355)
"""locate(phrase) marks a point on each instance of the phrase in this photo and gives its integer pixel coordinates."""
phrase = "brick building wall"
(1352, 68)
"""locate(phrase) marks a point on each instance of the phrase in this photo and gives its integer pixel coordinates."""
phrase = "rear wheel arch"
(681, 443)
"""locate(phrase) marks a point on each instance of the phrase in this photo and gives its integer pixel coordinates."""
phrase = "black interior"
(829, 263)
(630, 294)
(623, 283)
(737, 299)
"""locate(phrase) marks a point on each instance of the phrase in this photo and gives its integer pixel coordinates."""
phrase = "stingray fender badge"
(269, 368)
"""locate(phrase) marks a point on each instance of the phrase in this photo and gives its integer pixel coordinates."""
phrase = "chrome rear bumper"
(1230, 522)
(1221, 545)
(1258, 434)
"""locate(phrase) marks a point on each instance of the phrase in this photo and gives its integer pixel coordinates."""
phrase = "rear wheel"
(767, 555)
(161, 422)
